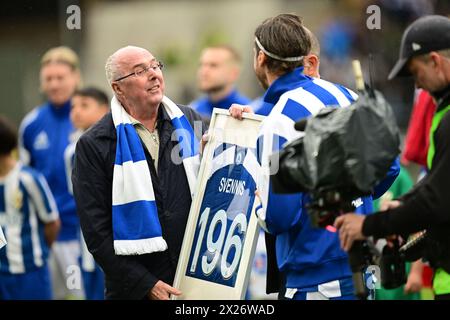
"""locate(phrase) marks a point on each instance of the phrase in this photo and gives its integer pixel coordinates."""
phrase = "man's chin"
(58, 101)
(156, 98)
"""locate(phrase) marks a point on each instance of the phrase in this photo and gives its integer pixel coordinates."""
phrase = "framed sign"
(222, 229)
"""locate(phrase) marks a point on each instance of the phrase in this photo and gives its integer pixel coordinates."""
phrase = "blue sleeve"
(25, 136)
(386, 183)
(283, 211)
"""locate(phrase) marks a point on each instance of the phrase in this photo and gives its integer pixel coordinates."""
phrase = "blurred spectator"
(418, 134)
(45, 134)
(337, 39)
(89, 105)
(217, 75)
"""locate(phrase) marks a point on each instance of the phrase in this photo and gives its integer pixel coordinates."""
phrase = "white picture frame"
(212, 275)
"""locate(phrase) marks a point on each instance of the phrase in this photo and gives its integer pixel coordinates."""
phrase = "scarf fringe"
(140, 246)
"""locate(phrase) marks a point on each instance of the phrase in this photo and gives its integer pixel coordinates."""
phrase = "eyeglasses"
(143, 70)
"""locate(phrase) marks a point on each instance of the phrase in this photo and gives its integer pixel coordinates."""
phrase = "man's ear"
(311, 64)
(116, 88)
(314, 60)
(261, 58)
(436, 59)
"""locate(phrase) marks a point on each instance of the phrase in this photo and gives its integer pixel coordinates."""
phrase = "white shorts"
(67, 281)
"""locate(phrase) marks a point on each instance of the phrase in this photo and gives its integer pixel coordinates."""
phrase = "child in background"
(89, 105)
(29, 218)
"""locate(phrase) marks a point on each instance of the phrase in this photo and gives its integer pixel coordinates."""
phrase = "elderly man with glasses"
(133, 179)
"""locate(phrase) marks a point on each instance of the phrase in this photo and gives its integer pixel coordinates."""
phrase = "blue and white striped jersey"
(26, 205)
(309, 256)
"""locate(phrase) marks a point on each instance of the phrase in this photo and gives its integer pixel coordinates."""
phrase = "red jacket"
(418, 134)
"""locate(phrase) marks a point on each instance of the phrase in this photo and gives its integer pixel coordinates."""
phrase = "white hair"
(111, 68)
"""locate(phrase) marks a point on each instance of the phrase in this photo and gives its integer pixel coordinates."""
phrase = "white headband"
(274, 56)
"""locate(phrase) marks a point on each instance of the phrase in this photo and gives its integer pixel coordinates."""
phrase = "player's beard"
(262, 79)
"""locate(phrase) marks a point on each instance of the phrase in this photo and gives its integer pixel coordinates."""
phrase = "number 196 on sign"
(218, 244)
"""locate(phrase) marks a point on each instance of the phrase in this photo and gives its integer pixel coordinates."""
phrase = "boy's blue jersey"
(26, 205)
(205, 106)
(308, 255)
(44, 136)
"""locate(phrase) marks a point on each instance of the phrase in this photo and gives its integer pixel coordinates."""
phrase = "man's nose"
(151, 74)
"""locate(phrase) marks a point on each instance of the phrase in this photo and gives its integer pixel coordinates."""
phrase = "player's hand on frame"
(204, 141)
(237, 110)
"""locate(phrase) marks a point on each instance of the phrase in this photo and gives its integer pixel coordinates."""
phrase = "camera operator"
(424, 54)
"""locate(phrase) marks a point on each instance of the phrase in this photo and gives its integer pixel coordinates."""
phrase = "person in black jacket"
(424, 54)
(138, 83)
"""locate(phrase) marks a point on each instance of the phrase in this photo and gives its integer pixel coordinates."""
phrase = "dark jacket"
(130, 277)
(427, 205)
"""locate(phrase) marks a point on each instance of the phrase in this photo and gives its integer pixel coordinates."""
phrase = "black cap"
(426, 34)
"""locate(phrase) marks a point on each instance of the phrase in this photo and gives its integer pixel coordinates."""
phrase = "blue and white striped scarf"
(136, 225)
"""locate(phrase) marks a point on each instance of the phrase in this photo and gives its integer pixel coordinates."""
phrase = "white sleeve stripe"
(353, 94)
(333, 90)
(308, 100)
(49, 196)
(37, 250)
(46, 214)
